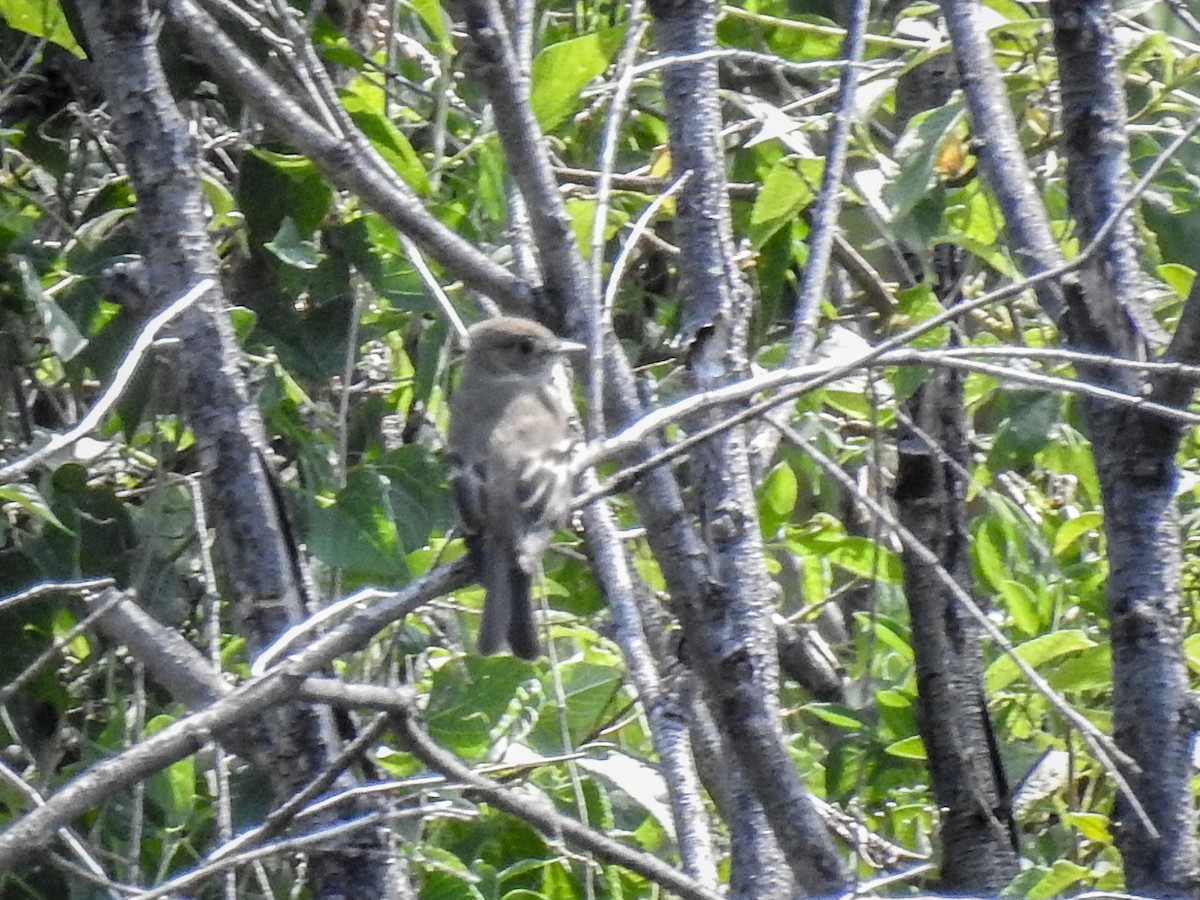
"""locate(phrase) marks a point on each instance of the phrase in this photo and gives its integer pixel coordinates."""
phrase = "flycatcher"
(510, 444)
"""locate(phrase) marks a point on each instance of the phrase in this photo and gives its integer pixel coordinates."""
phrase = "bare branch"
(549, 821)
(116, 389)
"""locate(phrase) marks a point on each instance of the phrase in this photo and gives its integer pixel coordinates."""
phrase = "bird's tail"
(507, 613)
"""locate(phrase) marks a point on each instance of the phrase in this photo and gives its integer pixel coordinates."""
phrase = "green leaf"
(835, 714)
(243, 321)
(886, 634)
(779, 490)
(1035, 652)
(42, 19)
(290, 248)
(1074, 529)
(365, 101)
(221, 202)
(1063, 875)
(274, 186)
(826, 539)
(1022, 606)
(908, 748)
(589, 690)
(804, 36)
(893, 699)
(64, 337)
(562, 70)
(1088, 670)
(439, 885)
(972, 220)
(173, 789)
(916, 153)
(418, 496)
(467, 699)
(1027, 429)
(1179, 278)
(27, 497)
(1093, 826)
(1191, 652)
(915, 305)
(434, 17)
(357, 532)
(784, 195)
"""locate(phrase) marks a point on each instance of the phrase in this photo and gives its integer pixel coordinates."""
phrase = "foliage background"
(350, 360)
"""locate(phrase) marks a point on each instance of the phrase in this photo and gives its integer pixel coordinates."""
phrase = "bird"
(509, 444)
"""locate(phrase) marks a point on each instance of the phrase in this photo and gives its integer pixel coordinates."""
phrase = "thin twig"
(20, 786)
(54, 587)
(112, 395)
(417, 258)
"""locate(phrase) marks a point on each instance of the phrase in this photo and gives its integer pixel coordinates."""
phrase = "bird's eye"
(526, 346)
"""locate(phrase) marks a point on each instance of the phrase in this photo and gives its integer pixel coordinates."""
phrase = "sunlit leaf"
(1035, 652)
(908, 748)
(43, 19)
(563, 69)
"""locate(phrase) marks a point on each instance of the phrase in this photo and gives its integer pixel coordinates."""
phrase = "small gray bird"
(510, 445)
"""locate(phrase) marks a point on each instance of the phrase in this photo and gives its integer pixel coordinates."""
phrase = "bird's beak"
(569, 347)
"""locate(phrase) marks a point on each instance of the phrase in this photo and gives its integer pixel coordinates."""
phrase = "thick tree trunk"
(164, 171)
(978, 837)
(1135, 464)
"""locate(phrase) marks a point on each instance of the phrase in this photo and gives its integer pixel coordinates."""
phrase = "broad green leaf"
(582, 212)
(1009, 9)
(1093, 826)
(440, 885)
(43, 19)
(27, 497)
(886, 635)
(274, 186)
(468, 698)
(973, 221)
(417, 494)
(590, 690)
(365, 101)
(290, 248)
(784, 195)
(1191, 652)
(916, 152)
(173, 789)
(1179, 278)
(805, 36)
(63, 335)
(435, 857)
(779, 490)
(893, 699)
(825, 538)
(357, 531)
(562, 70)
(224, 213)
(637, 779)
(1035, 652)
(1073, 529)
(434, 17)
(908, 748)
(243, 321)
(1022, 605)
(1087, 670)
(1062, 876)
(915, 305)
(1026, 430)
